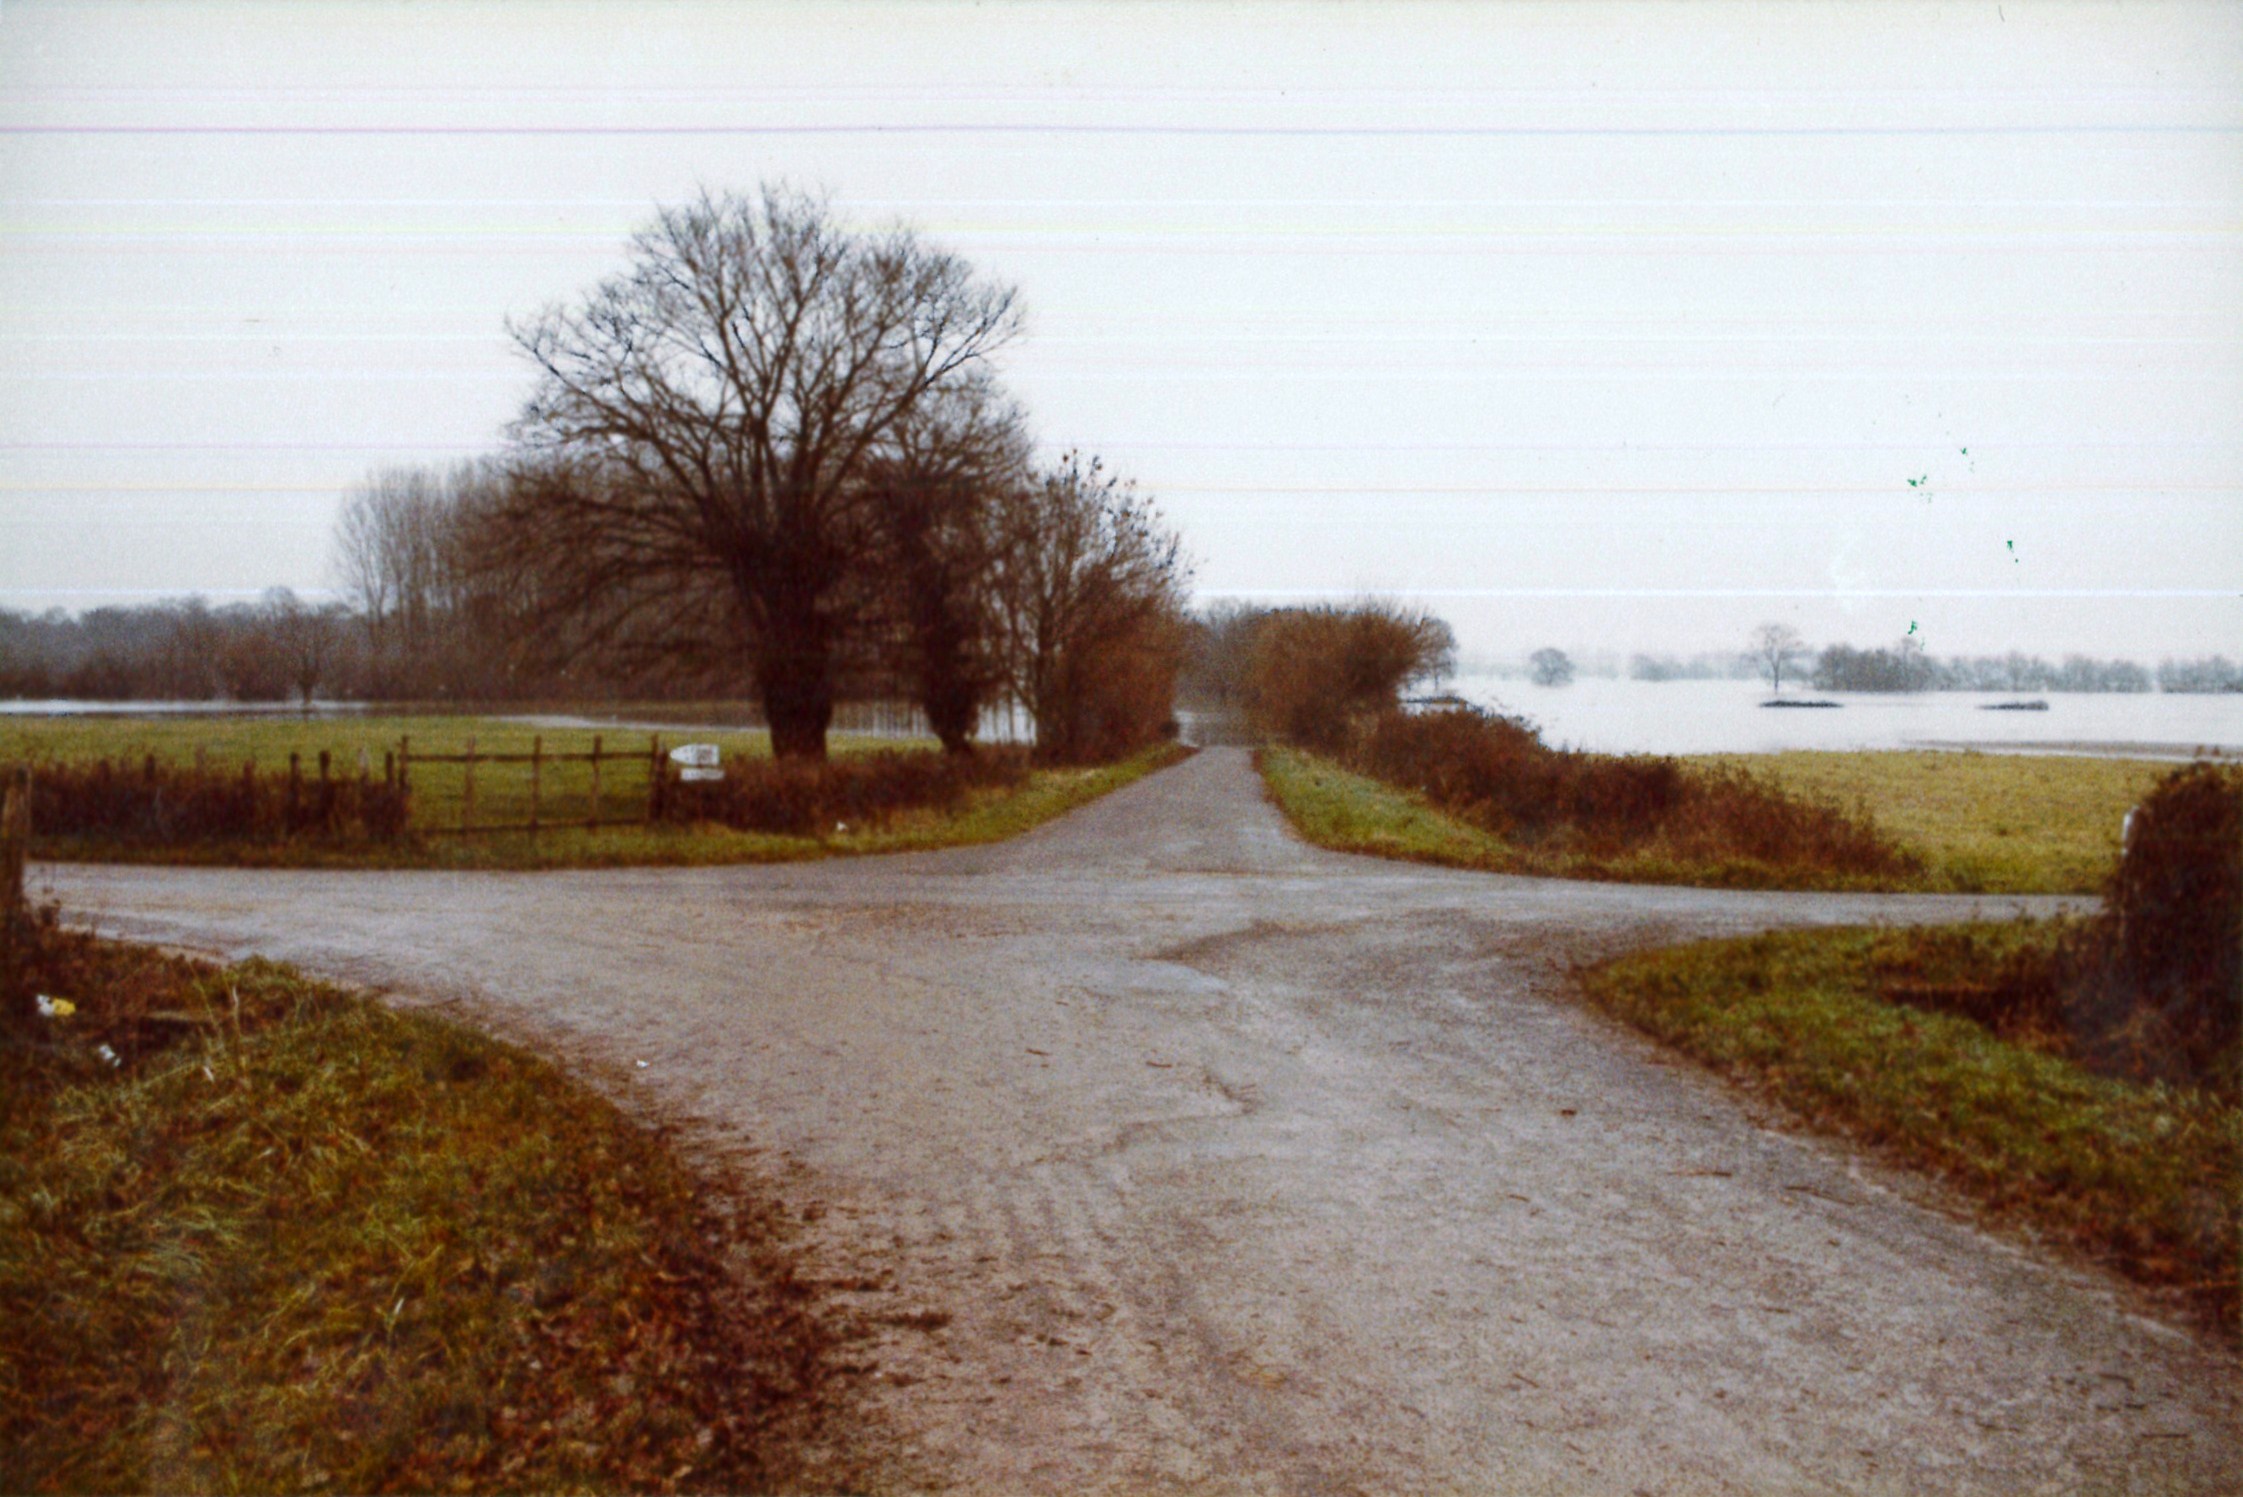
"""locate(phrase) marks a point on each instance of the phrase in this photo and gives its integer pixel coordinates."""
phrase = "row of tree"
(184, 650)
(771, 455)
(775, 448)
(1778, 651)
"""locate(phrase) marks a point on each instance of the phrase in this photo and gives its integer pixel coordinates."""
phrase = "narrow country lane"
(1240, 1166)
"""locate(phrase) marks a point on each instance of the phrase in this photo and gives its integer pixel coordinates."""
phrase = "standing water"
(1713, 717)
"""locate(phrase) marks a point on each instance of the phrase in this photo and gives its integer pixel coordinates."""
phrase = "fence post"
(467, 789)
(15, 837)
(537, 776)
(593, 824)
(15, 844)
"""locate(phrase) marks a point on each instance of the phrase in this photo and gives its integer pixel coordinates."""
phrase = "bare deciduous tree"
(1090, 593)
(706, 420)
(1776, 646)
(442, 614)
(305, 638)
(939, 492)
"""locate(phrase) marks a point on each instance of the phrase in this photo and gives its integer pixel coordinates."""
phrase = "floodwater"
(1598, 714)
(75, 707)
(1709, 717)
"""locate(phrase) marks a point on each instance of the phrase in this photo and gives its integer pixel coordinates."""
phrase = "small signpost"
(697, 762)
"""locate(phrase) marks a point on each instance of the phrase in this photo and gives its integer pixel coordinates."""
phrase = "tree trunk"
(953, 708)
(797, 684)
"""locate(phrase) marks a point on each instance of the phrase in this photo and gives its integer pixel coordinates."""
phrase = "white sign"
(694, 772)
(695, 755)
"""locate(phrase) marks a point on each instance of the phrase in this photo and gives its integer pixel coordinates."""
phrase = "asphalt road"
(1169, 1153)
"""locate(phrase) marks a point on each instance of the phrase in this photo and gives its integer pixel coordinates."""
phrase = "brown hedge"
(799, 798)
(153, 804)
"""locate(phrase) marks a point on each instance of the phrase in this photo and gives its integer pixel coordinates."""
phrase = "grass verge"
(1347, 812)
(2145, 1179)
(502, 794)
(292, 1240)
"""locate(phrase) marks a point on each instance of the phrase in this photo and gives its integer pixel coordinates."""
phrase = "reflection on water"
(1706, 717)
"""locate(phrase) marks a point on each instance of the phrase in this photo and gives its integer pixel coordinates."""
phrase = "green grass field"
(1985, 823)
(502, 791)
(2140, 1177)
(296, 1241)
(1992, 823)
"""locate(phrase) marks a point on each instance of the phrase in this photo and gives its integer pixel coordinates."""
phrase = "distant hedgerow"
(1496, 773)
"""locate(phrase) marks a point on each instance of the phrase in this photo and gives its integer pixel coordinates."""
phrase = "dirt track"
(1242, 1166)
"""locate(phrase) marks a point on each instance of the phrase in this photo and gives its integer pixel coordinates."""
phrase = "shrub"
(806, 798)
(162, 805)
(1116, 695)
(1317, 676)
(2157, 981)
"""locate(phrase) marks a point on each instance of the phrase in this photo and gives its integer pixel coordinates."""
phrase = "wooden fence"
(537, 759)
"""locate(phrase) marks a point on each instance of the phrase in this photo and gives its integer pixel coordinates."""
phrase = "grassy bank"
(502, 793)
(2007, 824)
(1997, 823)
(2143, 1178)
(291, 1240)
(1347, 812)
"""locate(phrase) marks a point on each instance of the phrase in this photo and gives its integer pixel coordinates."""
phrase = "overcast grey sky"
(1618, 325)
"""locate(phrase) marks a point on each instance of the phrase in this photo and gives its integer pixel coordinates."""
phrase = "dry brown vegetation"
(157, 804)
(257, 1234)
(1497, 774)
(808, 797)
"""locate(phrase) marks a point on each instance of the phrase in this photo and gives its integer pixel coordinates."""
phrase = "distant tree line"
(1715, 665)
(1906, 667)
(1777, 650)
(275, 649)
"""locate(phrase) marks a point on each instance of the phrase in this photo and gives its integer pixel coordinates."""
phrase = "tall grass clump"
(797, 797)
(1497, 774)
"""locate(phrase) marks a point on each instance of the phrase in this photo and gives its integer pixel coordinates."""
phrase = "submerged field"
(503, 791)
(1980, 823)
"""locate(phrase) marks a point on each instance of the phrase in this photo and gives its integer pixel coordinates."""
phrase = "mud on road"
(1168, 1153)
